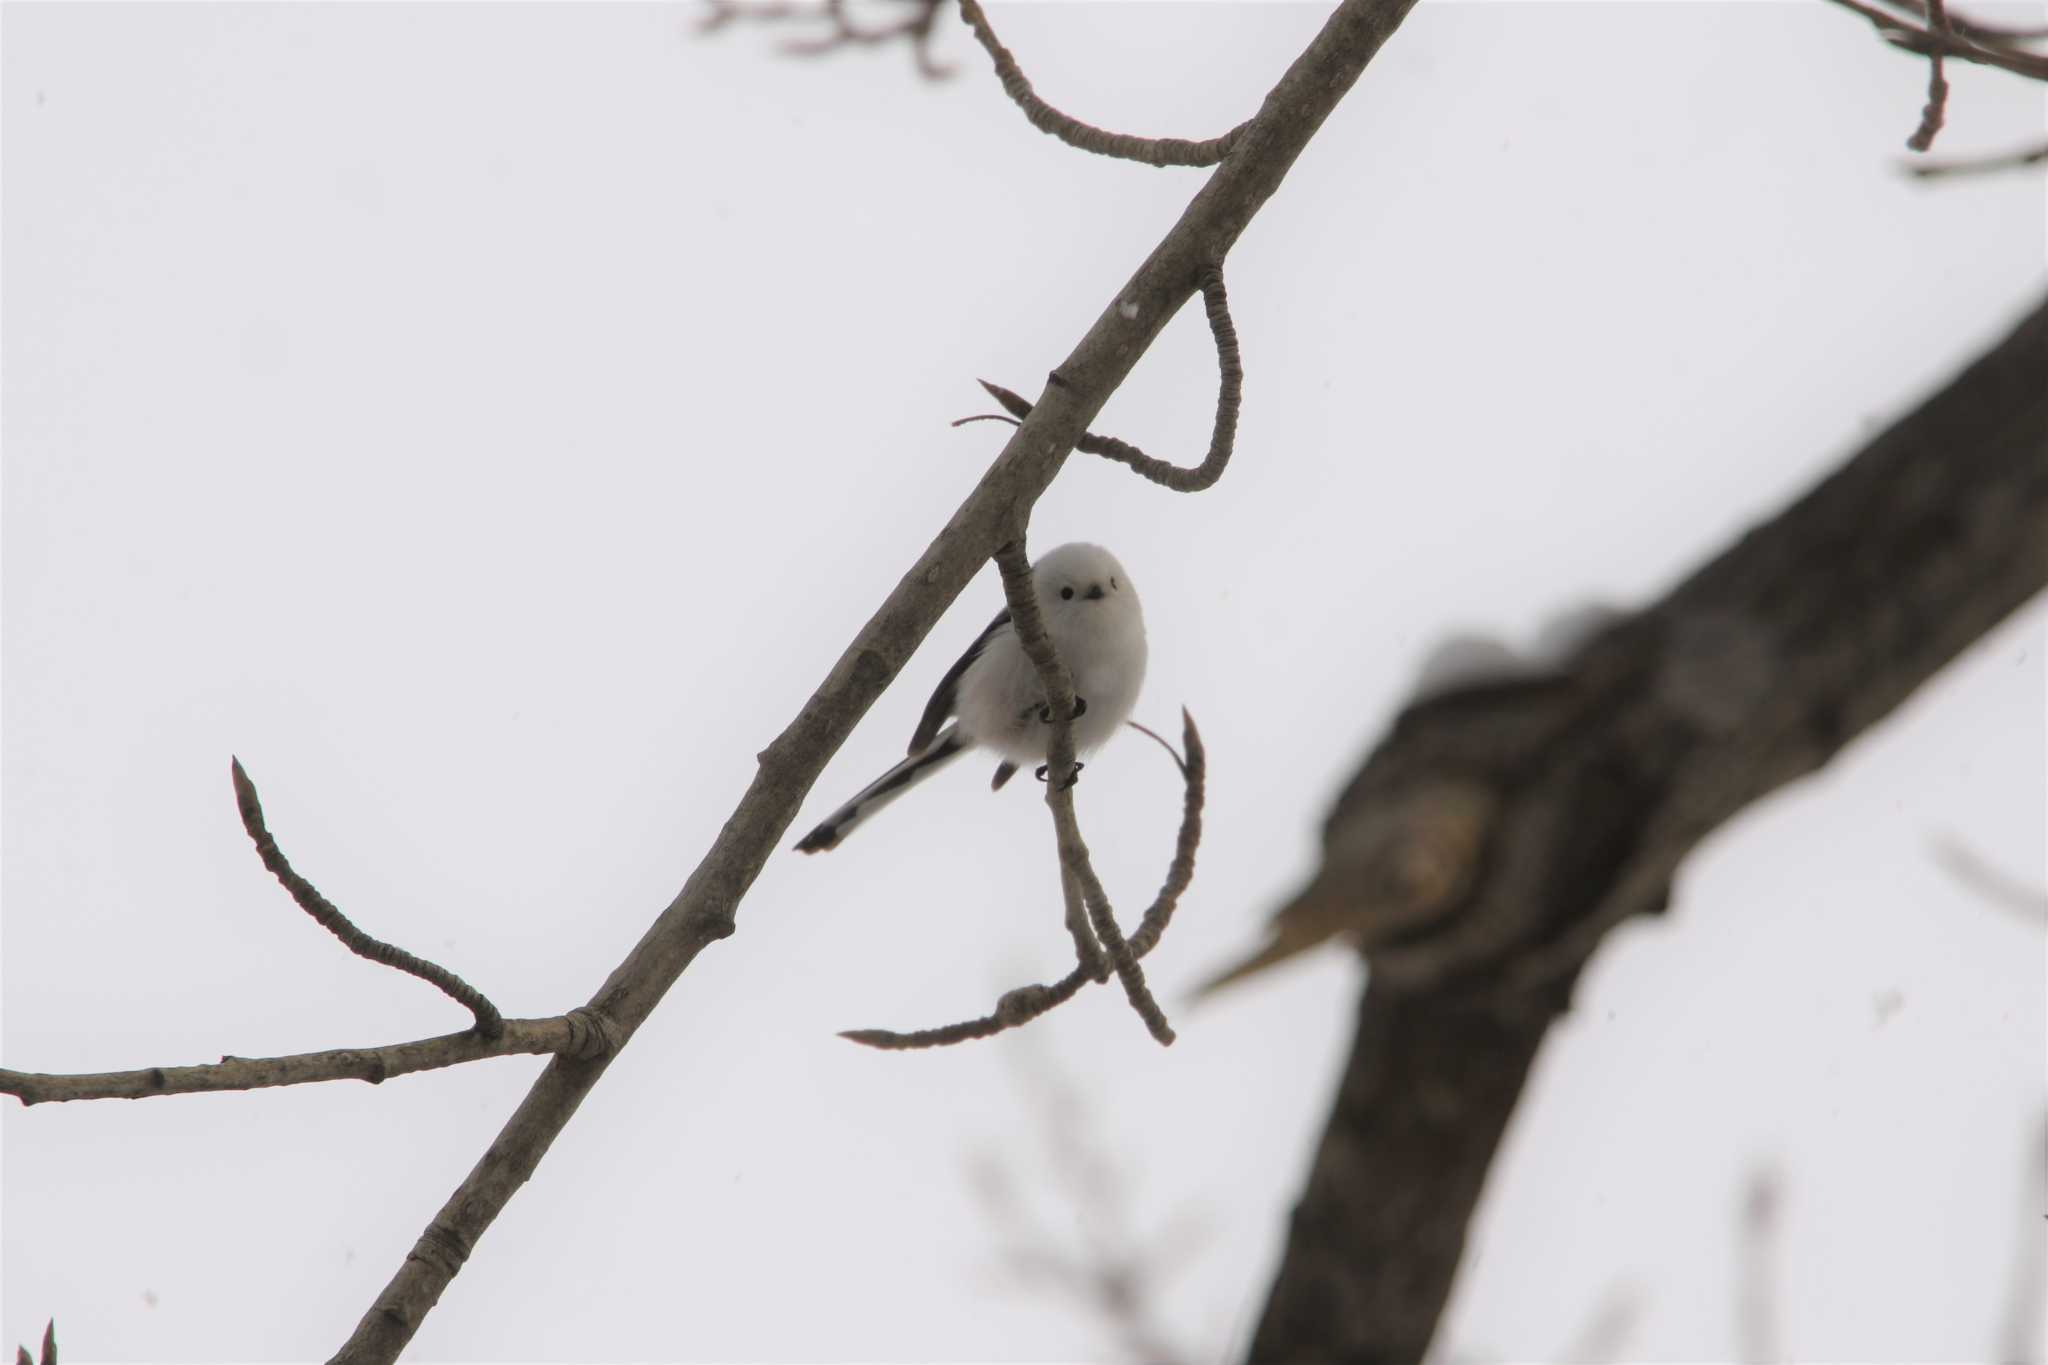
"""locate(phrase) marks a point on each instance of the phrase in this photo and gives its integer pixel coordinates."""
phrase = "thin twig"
(1952, 43)
(324, 912)
(574, 1034)
(1026, 1003)
(1087, 952)
(2020, 1330)
(1153, 151)
(1977, 30)
(1015, 1008)
(1936, 108)
(841, 31)
(1979, 165)
(1194, 773)
(1222, 435)
(1756, 1308)
(1996, 887)
(1102, 1260)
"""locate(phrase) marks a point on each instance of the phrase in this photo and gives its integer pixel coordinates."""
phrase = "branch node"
(592, 1034)
(1229, 402)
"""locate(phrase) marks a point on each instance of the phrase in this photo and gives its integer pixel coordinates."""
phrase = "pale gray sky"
(490, 422)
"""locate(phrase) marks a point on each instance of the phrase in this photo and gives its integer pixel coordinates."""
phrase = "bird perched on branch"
(1091, 615)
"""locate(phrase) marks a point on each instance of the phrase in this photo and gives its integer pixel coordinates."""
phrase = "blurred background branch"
(1753, 672)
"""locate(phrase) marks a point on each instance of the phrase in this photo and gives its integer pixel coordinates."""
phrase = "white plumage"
(1092, 616)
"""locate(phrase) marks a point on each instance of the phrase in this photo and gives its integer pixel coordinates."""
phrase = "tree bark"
(1756, 670)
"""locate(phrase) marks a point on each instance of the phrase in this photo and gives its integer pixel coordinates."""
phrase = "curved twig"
(574, 1034)
(1026, 1003)
(1153, 151)
(1222, 436)
(488, 1020)
(1016, 1007)
(1194, 773)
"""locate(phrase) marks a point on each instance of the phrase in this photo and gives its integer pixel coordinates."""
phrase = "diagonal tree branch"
(1755, 671)
(704, 910)
(329, 917)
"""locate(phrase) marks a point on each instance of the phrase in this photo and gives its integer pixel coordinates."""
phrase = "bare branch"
(576, 1034)
(1952, 43)
(840, 30)
(1936, 109)
(1756, 1306)
(1103, 1263)
(1194, 773)
(1015, 1009)
(1999, 888)
(330, 918)
(1979, 165)
(704, 911)
(1976, 30)
(1153, 151)
(1021, 1006)
(1229, 398)
(1805, 633)
(2020, 1331)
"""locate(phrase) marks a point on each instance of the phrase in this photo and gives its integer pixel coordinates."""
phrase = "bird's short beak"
(1095, 592)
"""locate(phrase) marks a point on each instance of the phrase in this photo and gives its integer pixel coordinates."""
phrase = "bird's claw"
(1072, 777)
(1045, 712)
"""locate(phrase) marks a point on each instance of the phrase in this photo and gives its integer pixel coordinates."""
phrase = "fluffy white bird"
(1091, 613)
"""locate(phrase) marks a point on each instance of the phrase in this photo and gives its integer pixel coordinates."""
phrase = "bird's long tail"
(884, 789)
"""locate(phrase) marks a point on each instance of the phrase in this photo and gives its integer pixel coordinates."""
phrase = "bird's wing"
(945, 700)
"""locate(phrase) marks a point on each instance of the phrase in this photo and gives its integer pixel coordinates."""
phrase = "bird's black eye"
(1066, 594)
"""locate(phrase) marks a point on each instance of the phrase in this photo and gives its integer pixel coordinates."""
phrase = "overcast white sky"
(491, 422)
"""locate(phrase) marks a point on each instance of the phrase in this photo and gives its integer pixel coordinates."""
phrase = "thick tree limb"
(1753, 672)
(703, 911)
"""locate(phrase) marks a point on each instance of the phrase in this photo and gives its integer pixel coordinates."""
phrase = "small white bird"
(1091, 612)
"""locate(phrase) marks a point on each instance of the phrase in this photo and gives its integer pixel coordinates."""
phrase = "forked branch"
(1026, 1003)
(1222, 435)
